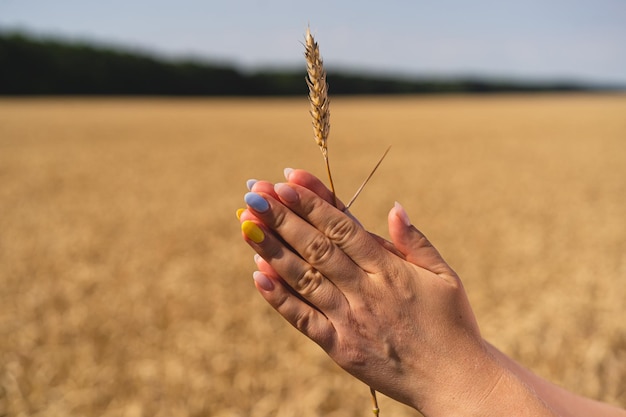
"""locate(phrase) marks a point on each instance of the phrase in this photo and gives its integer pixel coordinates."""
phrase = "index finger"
(340, 228)
(310, 181)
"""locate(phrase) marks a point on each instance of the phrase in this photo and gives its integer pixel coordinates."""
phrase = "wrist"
(478, 384)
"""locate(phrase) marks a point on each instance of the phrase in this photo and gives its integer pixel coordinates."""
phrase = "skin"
(391, 313)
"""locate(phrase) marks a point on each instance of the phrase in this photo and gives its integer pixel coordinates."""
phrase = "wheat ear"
(318, 97)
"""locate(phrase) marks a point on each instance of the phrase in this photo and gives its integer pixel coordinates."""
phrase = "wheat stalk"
(364, 183)
(318, 97)
(320, 112)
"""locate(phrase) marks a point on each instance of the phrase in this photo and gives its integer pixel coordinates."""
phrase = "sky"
(545, 40)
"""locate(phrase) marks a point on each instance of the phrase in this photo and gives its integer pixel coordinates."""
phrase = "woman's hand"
(393, 314)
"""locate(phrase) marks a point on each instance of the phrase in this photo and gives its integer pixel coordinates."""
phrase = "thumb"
(415, 247)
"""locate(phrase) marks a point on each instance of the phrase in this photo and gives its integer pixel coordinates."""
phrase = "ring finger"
(304, 279)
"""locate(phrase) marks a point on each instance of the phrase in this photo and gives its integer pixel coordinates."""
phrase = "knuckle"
(310, 206)
(341, 230)
(423, 242)
(454, 282)
(272, 252)
(354, 355)
(306, 323)
(318, 249)
(281, 304)
(308, 282)
(302, 322)
(351, 357)
(279, 217)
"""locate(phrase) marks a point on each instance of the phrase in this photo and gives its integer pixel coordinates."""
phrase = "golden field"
(126, 288)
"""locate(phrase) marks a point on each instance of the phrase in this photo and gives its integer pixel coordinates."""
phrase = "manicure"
(250, 183)
(286, 193)
(240, 212)
(258, 203)
(252, 231)
(263, 281)
(287, 172)
(402, 214)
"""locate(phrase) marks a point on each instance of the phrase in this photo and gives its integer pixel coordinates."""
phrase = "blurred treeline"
(35, 66)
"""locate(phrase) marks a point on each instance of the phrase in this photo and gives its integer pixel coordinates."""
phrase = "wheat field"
(126, 288)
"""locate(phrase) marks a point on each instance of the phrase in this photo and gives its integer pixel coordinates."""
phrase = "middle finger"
(313, 246)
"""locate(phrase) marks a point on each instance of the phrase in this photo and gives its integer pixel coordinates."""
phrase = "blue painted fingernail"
(256, 202)
(250, 183)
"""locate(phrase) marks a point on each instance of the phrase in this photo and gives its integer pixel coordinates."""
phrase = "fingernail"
(250, 183)
(257, 258)
(252, 231)
(402, 214)
(286, 193)
(287, 172)
(262, 281)
(240, 212)
(257, 202)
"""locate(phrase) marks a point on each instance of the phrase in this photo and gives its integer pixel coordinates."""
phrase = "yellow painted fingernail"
(252, 231)
(240, 212)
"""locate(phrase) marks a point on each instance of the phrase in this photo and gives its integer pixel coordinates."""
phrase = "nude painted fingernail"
(250, 183)
(286, 193)
(257, 258)
(252, 231)
(287, 172)
(257, 202)
(240, 212)
(262, 281)
(402, 214)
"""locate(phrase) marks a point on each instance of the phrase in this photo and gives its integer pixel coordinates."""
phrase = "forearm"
(563, 402)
